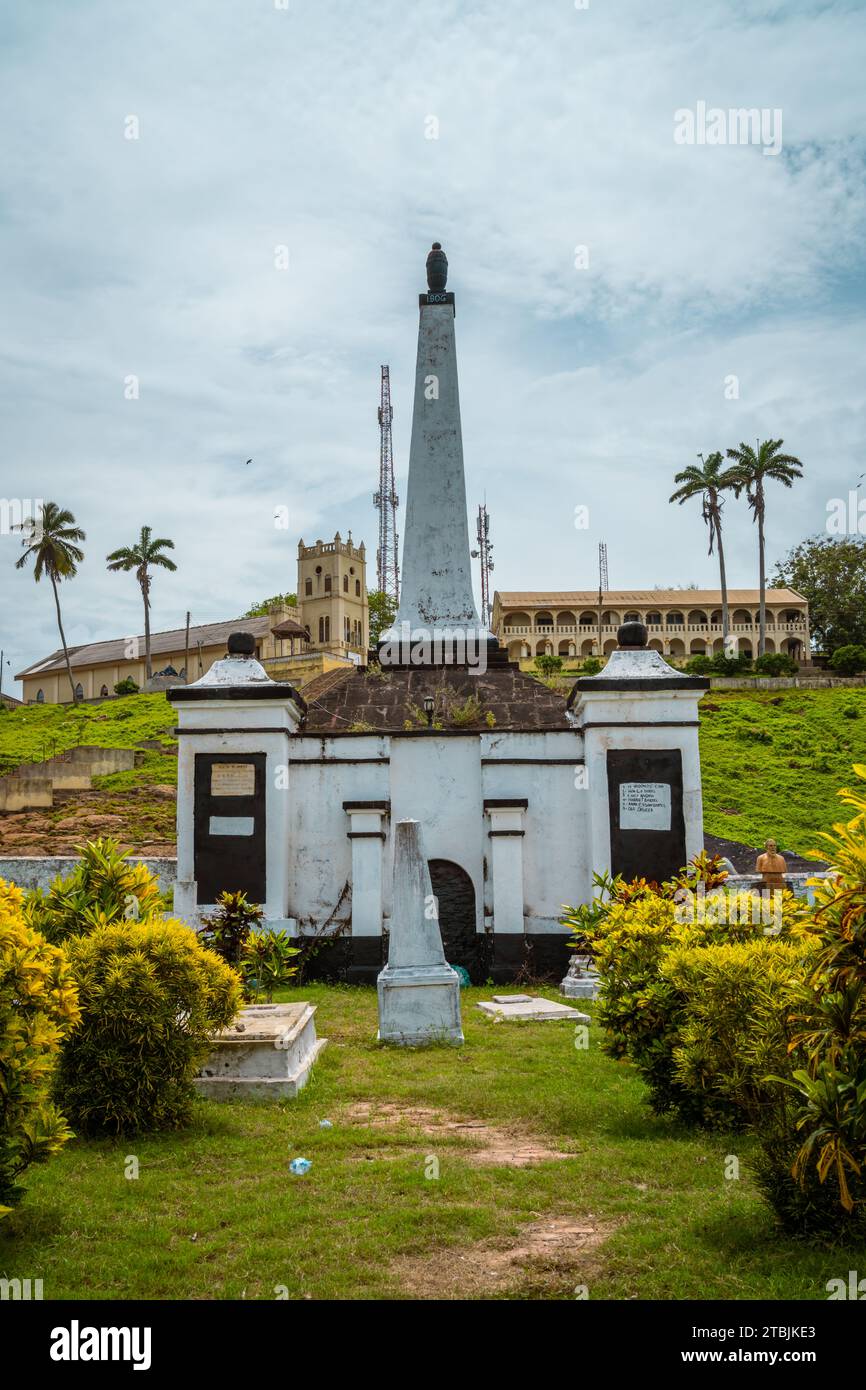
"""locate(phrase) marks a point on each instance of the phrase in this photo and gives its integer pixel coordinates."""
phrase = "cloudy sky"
(309, 127)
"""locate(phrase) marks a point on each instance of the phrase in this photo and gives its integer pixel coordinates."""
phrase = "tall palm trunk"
(762, 578)
(145, 585)
(723, 579)
(63, 639)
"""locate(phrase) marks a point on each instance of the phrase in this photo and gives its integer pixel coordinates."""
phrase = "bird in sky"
(248, 461)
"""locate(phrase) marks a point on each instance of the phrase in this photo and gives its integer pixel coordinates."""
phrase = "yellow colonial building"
(681, 622)
(330, 627)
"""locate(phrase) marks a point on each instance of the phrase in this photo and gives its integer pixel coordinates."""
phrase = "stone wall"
(31, 786)
(30, 871)
(26, 790)
(783, 682)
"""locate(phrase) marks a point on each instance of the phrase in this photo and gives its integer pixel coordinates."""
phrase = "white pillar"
(367, 833)
(506, 863)
(233, 795)
(639, 720)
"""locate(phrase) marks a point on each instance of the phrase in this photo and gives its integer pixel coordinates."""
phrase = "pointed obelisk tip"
(437, 268)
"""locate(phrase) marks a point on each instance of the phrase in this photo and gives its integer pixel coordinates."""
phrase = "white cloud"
(306, 128)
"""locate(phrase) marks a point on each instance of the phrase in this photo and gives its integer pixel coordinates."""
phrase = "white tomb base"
(269, 1050)
(419, 1004)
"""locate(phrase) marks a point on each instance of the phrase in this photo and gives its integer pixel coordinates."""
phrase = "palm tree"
(147, 551)
(752, 469)
(53, 542)
(708, 482)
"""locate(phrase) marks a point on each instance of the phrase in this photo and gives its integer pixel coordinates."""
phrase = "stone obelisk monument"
(419, 993)
(436, 594)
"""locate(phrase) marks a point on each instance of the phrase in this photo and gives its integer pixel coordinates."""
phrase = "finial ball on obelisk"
(437, 268)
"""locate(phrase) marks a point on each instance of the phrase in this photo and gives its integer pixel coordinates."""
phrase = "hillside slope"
(772, 764)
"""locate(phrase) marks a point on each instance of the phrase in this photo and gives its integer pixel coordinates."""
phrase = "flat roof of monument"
(588, 598)
(390, 701)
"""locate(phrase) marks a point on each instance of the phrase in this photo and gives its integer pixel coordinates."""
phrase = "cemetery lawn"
(216, 1214)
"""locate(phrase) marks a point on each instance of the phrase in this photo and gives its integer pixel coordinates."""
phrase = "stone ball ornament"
(437, 268)
(632, 635)
(241, 644)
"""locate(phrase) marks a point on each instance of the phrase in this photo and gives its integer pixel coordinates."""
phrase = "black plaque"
(229, 830)
(645, 797)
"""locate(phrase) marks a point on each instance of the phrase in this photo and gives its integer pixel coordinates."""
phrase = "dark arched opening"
(455, 893)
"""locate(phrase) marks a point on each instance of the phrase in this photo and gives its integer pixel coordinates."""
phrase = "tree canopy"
(831, 574)
(261, 610)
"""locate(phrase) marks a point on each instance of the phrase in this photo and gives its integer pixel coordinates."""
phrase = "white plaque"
(644, 806)
(233, 779)
(231, 825)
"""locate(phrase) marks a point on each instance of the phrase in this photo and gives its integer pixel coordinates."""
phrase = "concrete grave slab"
(269, 1050)
(528, 1007)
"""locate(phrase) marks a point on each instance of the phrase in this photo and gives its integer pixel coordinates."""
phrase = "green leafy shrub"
(38, 1007)
(734, 1029)
(103, 887)
(126, 687)
(548, 664)
(776, 664)
(848, 661)
(467, 713)
(724, 665)
(591, 666)
(150, 996)
(699, 665)
(267, 962)
(813, 1167)
(226, 931)
(629, 929)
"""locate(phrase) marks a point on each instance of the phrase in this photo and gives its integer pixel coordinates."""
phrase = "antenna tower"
(484, 552)
(602, 588)
(386, 500)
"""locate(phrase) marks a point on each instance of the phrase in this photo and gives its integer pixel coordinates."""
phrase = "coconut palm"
(708, 482)
(53, 543)
(146, 552)
(751, 470)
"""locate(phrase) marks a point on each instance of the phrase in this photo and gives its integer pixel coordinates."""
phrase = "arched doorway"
(455, 893)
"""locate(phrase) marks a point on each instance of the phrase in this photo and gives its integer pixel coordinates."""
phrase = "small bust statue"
(437, 268)
(771, 866)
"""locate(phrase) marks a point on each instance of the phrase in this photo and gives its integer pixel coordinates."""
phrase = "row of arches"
(524, 649)
(685, 617)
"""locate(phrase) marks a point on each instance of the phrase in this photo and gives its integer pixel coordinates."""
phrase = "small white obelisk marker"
(419, 993)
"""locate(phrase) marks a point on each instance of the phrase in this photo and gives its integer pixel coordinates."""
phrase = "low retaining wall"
(37, 871)
(26, 791)
(31, 786)
(783, 682)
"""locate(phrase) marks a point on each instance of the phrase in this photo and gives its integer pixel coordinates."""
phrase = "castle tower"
(332, 596)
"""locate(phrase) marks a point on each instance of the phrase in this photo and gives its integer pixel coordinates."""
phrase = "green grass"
(155, 769)
(772, 762)
(35, 732)
(215, 1212)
